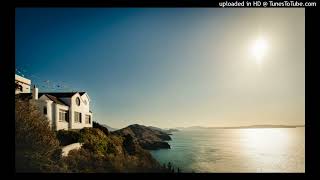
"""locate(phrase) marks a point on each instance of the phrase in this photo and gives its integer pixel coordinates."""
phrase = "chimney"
(34, 93)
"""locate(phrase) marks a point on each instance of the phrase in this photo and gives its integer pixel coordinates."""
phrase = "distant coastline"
(245, 127)
(262, 126)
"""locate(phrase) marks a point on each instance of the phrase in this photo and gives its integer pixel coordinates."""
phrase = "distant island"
(168, 131)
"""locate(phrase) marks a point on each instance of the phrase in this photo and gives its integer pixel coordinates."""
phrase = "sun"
(259, 49)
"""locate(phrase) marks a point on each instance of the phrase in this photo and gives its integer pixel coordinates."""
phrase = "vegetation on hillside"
(102, 153)
(38, 148)
(102, 128)
(68, 137)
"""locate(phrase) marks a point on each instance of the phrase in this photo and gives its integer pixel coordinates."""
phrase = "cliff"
(148, 138)
(38, 149)
(110, 153)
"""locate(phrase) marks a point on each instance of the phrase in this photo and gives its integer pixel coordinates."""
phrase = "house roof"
(27, 96)
(62, 94)
(53, 96)
(81, 93)
(59, 94)
(55, 99)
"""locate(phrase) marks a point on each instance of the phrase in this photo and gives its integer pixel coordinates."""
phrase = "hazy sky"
(170, 67)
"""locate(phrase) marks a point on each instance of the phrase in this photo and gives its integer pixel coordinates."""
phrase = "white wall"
(42, 102)
(60, 125)
(68, 148)
(83, 109)
(53, 112)
(24, 82)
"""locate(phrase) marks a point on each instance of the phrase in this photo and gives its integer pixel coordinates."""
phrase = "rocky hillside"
(110, 153)
(38, 149)
(148, 138)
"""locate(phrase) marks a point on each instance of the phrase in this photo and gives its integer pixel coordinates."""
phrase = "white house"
(22, 84)
(64, 110)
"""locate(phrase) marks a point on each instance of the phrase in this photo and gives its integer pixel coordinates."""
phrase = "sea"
(208, 150)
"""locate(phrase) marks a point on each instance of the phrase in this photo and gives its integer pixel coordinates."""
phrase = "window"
(77, 117)
(44, 110)
(88, 119)
(18, 86)
(63, 116)
(78, 101)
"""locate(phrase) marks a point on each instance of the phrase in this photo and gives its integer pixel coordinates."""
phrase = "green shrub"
(94, 140)
(68, 137)
(37, 148)
(102, 128)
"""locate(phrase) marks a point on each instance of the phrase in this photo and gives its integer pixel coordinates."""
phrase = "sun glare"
(259, 49)
(263, 139)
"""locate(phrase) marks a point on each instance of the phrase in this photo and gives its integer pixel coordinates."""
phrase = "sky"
(170, 67)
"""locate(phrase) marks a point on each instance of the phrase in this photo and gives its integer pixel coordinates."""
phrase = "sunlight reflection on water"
(237, 150)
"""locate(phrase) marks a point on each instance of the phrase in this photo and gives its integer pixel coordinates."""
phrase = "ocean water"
(236, 150)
